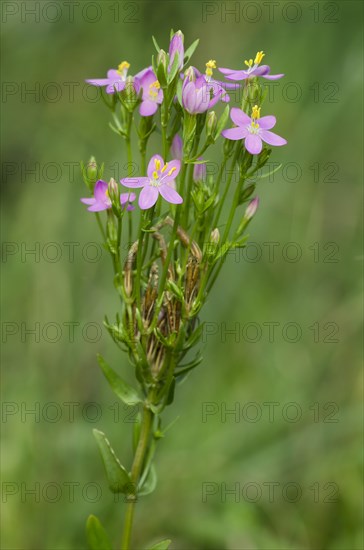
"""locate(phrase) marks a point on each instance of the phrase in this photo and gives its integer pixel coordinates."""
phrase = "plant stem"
(146, 427)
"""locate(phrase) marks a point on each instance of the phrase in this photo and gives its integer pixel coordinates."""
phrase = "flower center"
(156, 181)
(209, 66)
(153, 90)
(254, 126)
(123, 69)
(254, 64)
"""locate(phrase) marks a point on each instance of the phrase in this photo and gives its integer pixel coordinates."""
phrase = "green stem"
(227, 187)
(136, 470)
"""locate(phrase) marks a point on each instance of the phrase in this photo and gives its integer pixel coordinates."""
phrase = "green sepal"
(150, 482)
(222, 122)
(184, 369)
(118, 478)
(97, 537)
(155, 44)
(162, 545)
(126, 393)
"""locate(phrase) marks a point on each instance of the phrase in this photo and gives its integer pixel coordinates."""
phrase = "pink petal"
(98, 207)
(227, 71)
(170, 194)
(127, 197)
(253, 144)
(148, 108)
(239, 117)
(239, 75)
(88, 201)
(134, 182)
(235, 133)
(151, 165)
(148, 197)
(113, 74)
(271, 138)
(100, 190)
(98, 81)
(172, 164)
(272, 76)
(267, 122)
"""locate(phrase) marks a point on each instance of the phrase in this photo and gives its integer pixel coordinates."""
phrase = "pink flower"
(160, 180)
(253, 129)
(115, 81)
(152, 93)
(253, 70)
(101, 200)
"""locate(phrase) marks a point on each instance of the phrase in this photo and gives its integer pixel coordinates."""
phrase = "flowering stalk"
(177, 248)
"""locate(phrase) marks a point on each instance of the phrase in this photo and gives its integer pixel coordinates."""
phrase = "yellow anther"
(259, 57)
(209, 66)
(157, 164)
(155, 85)
(164, 167)
(172, 170)
(155, 175)
(123, 65)
(249, 63)
(256, 112)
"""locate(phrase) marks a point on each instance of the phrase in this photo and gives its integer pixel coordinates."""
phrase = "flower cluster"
(189, 217)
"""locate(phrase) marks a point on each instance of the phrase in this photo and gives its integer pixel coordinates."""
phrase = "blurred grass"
(304, 211)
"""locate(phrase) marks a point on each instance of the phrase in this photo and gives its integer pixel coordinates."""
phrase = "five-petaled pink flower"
(160, 180)
(101, 200)
(115, 81)
(253, 69)
(152, 93)
(253, 129)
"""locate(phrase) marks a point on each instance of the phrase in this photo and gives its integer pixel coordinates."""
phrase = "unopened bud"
(177, 147)
(211, 123)
(130, 94)
(215, 236)
(114, 195)
(190, 74)
(162, 68)
(251, 208)
(176, 48)
(199, 172)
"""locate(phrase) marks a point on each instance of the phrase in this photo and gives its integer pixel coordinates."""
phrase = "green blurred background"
(297, 396)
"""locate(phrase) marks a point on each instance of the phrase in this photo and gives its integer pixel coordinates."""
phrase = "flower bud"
(162, 68)
(199, 172)
(114, 195)
(215, 236)
(130, 94)
(91, 172)
(211, 123)
(190, 75)
(177, 147)
(176, 47)
(251, 208)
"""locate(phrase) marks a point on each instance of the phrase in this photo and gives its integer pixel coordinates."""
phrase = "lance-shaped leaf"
(126, 393)
(118, 478)
(162, 545)
(96, 535)
(191, 50)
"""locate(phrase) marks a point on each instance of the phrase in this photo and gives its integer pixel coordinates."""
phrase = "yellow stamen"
(155, 175)
(157, 164)
(259, 57)
(249, 63)
(123, 65)
(172, 170)
(155, 85)
(153, 89)
(164, 167)
(256, 112)
(209, 66)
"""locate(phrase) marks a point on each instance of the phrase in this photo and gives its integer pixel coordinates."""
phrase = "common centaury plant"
(168, 251)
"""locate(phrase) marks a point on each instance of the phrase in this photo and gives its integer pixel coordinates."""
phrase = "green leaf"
(96, 535)
(126, 393)
(191, 50)
(150, 482)
(162, 545)
(118, 478)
